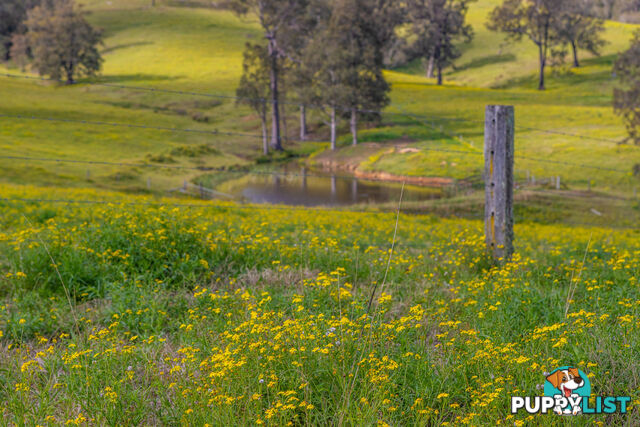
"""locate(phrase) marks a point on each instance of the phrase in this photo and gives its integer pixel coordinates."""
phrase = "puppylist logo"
(566, 392)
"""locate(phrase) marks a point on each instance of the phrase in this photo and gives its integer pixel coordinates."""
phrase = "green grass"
(148, 314)
(200, 49)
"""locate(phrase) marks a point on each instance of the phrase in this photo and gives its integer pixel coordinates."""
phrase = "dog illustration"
(566, 380)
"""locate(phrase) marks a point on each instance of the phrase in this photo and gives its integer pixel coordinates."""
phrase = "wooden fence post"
(499, 164)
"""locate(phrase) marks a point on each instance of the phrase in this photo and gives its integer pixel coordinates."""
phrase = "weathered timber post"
(499, 164)
(558, 182)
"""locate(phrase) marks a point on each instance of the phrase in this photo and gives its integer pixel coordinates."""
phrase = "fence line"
(336, 209)
(581, 165)
(191, 93)
(342, 209)
(310, 105)
(129, 125)
(210, 169)
(216, 132)
(197, 206)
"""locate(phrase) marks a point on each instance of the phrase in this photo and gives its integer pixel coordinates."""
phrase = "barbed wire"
(309, 105)
(561, 193)
(198, 206)
(129, 125)
(563, 163)
(203, 205)
(201, 94)
(218, 169)
(311, 209)
(573, 135)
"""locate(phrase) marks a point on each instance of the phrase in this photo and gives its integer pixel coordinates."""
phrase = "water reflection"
(314, 188)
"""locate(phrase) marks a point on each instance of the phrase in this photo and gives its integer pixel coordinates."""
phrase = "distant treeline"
(331, 53)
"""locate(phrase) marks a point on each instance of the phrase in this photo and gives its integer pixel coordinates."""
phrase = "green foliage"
(626, 97)
(253, 89)
(534, 19)
(63, 43)
(576, 28)
(437, 27)
(211, 314)
(12, 15)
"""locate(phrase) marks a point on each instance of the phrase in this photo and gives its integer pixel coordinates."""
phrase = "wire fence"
(316, 106)
(429, 121)
(226, 133)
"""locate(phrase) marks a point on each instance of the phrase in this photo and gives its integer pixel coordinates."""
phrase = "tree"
(578, 29)
(315, 21)
(608, 8)
(62, 42)
(360, 38)
(253, 89)
(535, 19)
(626, 96)
(344, 62)
(322, 64)
(437, 27)
(275, 17)
(12, 15)
(19, 52)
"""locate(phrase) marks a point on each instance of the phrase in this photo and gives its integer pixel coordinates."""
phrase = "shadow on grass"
(484, 61)
(128, 78)
(592, 87)
(124, 46)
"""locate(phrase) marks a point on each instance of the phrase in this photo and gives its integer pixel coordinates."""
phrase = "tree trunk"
(576, 62)
(354, 125)
(69, 72)
(265, 137)
(543, 63)
(284, 124)
(611, 4)
(333, 128)
(432, 59)
(276, 142)
(439, 74)
(303, 123)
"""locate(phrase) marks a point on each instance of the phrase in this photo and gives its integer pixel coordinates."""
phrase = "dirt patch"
(340, 162)
(423, 181)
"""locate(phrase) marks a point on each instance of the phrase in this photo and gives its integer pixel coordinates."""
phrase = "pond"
(299, 186)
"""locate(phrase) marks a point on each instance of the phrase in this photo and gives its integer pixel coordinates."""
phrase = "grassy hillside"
(577, 101)
(200, 49)
(174, 48)
(161, 314)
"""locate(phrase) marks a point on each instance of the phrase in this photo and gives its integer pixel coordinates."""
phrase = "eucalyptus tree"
(626, 96)
(277, 18)
(533, 19)
(438, 27)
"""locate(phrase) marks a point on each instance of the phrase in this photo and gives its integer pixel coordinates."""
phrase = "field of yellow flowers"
(134, 310)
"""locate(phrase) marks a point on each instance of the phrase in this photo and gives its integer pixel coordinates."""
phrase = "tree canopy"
(62, 42)
(437, 28)
(626, 96)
